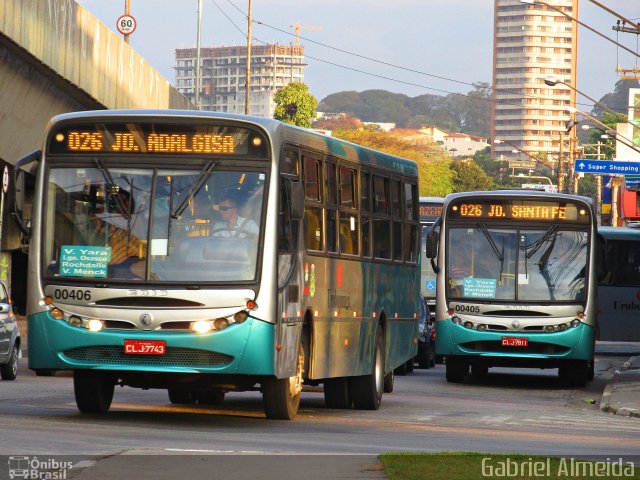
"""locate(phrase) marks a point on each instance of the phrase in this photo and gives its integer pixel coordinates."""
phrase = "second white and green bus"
(516, 283)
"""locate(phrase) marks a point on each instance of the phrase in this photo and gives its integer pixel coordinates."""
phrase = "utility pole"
(561, 165)
(127, 11)
(248, 70)
(198, 73)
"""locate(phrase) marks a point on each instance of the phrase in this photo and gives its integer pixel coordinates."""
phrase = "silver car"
(9, 337)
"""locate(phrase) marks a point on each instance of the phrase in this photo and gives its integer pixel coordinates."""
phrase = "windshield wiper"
(203, 176)
(541, 241)
(499, 254)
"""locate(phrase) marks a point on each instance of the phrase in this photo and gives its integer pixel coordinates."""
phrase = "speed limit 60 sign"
(126, 24)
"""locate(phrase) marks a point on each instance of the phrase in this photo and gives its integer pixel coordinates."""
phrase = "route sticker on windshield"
(480, 287)
(84, 261)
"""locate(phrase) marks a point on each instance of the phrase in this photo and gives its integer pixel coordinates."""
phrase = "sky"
(413, 47)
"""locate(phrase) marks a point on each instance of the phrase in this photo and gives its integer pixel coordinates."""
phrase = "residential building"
(531, 42)
(223, 74)
(463, 145)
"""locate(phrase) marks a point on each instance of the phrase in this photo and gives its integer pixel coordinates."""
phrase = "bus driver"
(233, 225)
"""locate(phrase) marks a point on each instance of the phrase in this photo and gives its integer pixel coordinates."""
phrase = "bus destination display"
(157, 139)
(520, 210)
(430, 210)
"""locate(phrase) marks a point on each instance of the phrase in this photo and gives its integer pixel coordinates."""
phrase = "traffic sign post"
(126, 25)
(607, 167)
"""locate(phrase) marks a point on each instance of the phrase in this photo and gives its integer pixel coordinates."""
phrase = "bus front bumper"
(243, 349)
(575, 343)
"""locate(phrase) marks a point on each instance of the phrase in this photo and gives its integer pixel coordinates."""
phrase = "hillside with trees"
(470, 113)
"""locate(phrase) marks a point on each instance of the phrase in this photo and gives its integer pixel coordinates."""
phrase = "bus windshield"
(517, 264)
(113, 222)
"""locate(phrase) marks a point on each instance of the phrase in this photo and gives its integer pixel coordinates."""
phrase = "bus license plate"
(145, 347)
(515, 342)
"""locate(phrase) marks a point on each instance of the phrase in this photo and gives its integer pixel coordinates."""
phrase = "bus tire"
(336, 393)
(93, 391)
(9, 371)
(456, 369)
(574, 373)
(366, 390)
(211, 397)
(388, 382)
(281, 396)
(181, 397)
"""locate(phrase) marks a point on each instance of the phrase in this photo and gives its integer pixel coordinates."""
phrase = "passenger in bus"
(232, 224)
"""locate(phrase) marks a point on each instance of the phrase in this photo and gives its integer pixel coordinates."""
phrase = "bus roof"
(537, 194)
(620, 233)
(274, 128)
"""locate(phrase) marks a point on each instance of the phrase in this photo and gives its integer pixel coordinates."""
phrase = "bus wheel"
(281, 396)
(185, 397)
(336, 393)
(574, 373)
(388, 382)
(366, 390)
(211, 397)
(93, 391)
(456, 369)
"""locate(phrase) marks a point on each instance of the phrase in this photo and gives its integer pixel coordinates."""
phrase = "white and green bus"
(516, 283)
(209, 253)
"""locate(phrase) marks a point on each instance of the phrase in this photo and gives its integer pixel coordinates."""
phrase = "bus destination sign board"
(157, 139)
(519, 210)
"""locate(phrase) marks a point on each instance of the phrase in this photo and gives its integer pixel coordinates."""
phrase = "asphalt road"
(526, 411)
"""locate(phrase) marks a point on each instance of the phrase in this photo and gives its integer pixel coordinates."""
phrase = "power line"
(364, 57)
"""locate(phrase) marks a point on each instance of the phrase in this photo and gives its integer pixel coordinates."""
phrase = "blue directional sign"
(607, 167)
(632, 181)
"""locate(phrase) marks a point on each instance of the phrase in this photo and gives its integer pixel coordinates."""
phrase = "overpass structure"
(56, 57)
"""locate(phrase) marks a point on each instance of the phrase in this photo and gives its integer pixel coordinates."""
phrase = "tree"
(469, 177)
(295, 105)
(338, 122)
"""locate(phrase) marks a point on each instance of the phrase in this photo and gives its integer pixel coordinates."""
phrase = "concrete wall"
(56, 57)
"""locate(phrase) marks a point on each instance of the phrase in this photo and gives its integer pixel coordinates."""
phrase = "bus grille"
(533, 347)
(174, 356)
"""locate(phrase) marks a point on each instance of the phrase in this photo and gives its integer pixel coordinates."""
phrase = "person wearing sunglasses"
(232, 224)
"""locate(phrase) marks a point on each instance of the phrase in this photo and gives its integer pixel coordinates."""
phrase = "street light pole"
(198, 73)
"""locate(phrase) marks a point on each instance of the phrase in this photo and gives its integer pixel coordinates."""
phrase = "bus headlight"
(220, 323)
(456, 319)
(482, 327)
(75, 321)
(202, 326)
(562, 327)
(241, 316)
(95, 325)
(575, 322)
(549, 329)
(468, 324)
(57, 313)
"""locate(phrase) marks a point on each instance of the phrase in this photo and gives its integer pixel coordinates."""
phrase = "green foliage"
(618, 100)
(468, 177)
(295, 105)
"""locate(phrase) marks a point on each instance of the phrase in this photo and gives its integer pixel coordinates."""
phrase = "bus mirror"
(24, 165)
(432, 244)
(297, 201)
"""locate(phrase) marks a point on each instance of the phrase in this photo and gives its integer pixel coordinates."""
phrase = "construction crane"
(297, 28)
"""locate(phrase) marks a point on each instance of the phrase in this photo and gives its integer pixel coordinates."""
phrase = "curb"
(605, 400)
